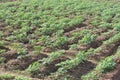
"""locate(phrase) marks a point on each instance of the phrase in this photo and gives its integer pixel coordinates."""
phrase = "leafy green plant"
(22, 37)
(118, 52)
(6, 77)
(34, 67)
(22, 78)
(37, 49)
(106, 65)
(104, 24)
(68, 64)
(77, 20)
(16, 46)
(53, 56)
(116, 26)
(2, 59)
(73, 46)
(1, 34)
(90, 76)
(22, 52)
(60, 41)
(88, 38)
(2, 43)
(112, 39)
(2, 51)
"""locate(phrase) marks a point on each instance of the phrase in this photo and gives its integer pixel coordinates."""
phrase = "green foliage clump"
(106, 65)
(53, 56)
(69, 64)
(2, 59)
(34, 67)
(113, 39)
(22, 78)
(88, 38)
(6, 77)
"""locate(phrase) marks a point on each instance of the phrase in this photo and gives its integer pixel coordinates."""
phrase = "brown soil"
(99, 40)
(5, 48)
(50, 67)
(64, 46)
(96, 43)
(83, 47)
(14, 74)
(82, 69)
(24, 62)
(74, 27)
(77, 28)
(99, 31)
(109, 50)
(106, 51)
(13, 63)
(29, 47)
(2, 26)
(48, 49)
(70, 53)
(105, 37)
(10, 55)
(75, 40)
(7, 33)
(69, 34)
(112, 75)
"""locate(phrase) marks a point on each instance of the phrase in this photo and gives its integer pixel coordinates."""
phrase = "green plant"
(69, 64)
(61, 41)
(6, 77)
(2, 51)
(34, 67)
(1, 34)
(90, 76)
(116, 26)
(53, 56)
(118, 53)
(73, 46)
(2, 59)
(112, 39)
(106, 65)
(104, 24)
(22, 52)
(22, 78)
(37, 49)
(22, 37)
(88, 38)
(17, 46)
(77, 20)
(2, 43)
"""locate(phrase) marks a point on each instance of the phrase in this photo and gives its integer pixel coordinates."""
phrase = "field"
(59, 40)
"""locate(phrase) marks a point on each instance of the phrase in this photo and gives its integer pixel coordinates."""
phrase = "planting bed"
(60, 40)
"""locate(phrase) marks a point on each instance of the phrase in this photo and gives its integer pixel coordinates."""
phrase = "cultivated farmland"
(59, 40)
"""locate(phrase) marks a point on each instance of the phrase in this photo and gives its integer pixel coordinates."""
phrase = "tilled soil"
(12, 62)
